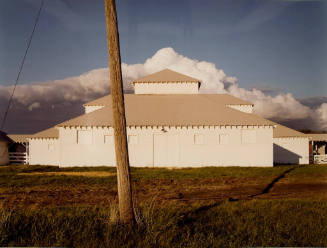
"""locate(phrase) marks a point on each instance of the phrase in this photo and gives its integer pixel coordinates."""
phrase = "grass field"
(199, 207)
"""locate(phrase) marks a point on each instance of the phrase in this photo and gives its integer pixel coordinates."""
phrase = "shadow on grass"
(273, 182)
(189, 217)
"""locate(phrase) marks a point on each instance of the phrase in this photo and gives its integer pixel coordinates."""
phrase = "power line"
(22, 64)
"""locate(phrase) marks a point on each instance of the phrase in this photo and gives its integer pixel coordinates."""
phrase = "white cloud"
(281, 106)
(80, 88)
(214, 80)
(322, 116)
(95, 83)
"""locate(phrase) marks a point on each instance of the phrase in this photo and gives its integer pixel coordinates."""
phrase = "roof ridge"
(166, 75)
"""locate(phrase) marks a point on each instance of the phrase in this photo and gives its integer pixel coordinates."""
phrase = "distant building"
(4, 154)
(318, 147)
(169, 124)
(19, 148)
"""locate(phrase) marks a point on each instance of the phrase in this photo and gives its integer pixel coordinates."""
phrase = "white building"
(170, 124)
(290, 146)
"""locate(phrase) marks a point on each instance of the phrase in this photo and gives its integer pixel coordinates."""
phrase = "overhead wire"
(22, 64)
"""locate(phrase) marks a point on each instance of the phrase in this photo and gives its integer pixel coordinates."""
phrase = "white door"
(165, 150)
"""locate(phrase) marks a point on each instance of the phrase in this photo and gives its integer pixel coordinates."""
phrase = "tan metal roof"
(19, 138)
(165, 76)
(102, 101)
(317, 136)
(51, 133)
(284, 132)
(170, 110)
(224, 99)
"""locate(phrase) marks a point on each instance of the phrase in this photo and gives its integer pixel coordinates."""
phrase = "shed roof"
(317, 136)
(284, 132)
(170, 110)
(51, 133)
(224, 99)
(19, 138)
(165, 76)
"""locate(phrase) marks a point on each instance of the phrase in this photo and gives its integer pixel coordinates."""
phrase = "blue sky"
(267, 44)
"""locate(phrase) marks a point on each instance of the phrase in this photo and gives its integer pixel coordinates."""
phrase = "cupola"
(166, 82)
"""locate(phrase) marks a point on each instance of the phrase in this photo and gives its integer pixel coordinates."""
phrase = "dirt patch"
(299, 186)
(71, 173)
(100, 196)
(298, 190)
(160, 191)
(84, 192)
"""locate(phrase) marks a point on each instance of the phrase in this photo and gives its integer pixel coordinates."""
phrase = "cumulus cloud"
(313, 102)
(322, 115)
(281, 106)
(63, 98)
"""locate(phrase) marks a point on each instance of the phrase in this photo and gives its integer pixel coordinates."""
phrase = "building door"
(165, 150)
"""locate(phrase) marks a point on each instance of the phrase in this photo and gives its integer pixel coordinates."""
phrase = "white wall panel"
(89, 109)
(44, 152)
(166, 88)
(291, 150)
(175, 147)
(243, 108)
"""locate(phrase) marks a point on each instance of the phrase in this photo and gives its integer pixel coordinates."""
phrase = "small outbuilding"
(318, 147)
(19, 148)
(4, 154)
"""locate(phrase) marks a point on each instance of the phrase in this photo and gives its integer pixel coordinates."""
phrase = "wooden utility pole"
(116, 84)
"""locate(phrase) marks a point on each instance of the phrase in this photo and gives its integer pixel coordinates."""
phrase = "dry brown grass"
(206, 207)
(71, 173)
(24, 186)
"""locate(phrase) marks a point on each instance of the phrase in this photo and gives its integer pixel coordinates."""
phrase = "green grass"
(9, 175)
(310, 170)
(166, 223)
(229, 224)
(146, 172)
(206, 172)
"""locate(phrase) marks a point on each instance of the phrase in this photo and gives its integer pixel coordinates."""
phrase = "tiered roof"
(171, 110)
